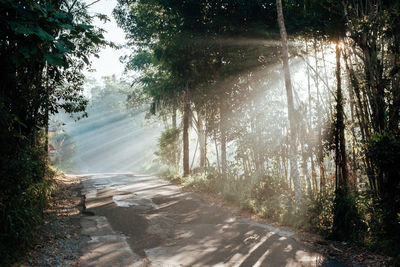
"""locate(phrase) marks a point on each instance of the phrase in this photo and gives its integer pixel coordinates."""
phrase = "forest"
(288, 108)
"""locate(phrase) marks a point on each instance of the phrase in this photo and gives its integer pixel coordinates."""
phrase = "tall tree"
(294, 171)
(346, 219)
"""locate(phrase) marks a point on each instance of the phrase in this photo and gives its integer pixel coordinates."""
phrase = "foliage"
(215, 62)
(44, 47)
(347, 224)
(110, 96)
(22, 212)
(384, 149)
(169, 146)
(317, 213)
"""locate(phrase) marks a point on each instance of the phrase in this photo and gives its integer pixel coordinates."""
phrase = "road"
(137, 220)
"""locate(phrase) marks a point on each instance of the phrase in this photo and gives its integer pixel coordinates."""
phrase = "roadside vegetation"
(289, 108)
(44, 46)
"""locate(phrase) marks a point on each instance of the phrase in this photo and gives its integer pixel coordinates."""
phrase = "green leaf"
(54, 59)
(45, 36)
(66, 26)
(22, 29)
(60, 15)
(62, 47)
(84, 26)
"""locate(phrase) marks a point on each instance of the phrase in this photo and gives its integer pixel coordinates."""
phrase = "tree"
(294, 172)
(44, 46)
(346, 219)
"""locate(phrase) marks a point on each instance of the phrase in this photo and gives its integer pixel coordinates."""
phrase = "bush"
(318, 213)
(377, 235)
(25, 188)
(272, 199)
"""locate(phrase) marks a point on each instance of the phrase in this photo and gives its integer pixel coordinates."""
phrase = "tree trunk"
(186, 114)
(174, 155)
(320, 154)
(309, 91)
(294, 172)
(174, 116)
(202, 141)
(216, 152)
(223, 138)
(345, 218)
(313, 174)
(341, 160)
(46, 143)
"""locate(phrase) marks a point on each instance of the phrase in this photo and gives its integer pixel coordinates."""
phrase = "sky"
(108, 62)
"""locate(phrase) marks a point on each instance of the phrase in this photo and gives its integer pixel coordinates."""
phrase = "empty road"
(134, 220)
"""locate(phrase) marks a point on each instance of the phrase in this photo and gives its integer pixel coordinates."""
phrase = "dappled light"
(200, 133)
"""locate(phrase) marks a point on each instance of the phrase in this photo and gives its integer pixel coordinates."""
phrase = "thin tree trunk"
(46, 143)
(294, 172)
(205, 144)
(174, 116)
(174, 155)
(362, 117)
(310, 120)
(202, 141)
(216, 152)
(353, 123)
(341, 160)
(313, 174)
(320, 155)
(223, 138)
(186, 114)
(305, 169)
(309, 90)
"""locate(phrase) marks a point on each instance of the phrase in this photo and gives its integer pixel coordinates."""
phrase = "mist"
(110, 139)
(112, 143)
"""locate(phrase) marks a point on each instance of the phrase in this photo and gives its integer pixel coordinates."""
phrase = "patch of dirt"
(57, 241)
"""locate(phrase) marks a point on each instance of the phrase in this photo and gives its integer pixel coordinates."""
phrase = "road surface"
(134, 220)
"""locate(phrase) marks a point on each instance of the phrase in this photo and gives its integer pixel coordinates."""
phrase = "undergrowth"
(26, 188)
(271, 198)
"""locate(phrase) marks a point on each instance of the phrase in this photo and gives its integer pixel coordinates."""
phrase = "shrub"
(25, 189)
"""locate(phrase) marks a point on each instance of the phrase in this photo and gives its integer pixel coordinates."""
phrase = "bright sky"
(108, 62)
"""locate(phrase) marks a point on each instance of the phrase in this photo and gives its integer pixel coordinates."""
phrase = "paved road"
(137, 220)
